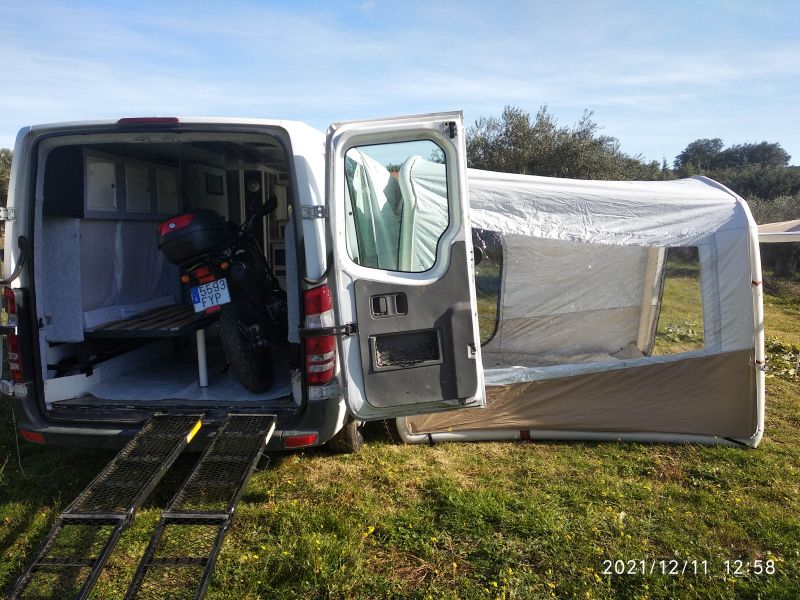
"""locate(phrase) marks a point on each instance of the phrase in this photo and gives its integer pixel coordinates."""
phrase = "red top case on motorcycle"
(187, 237)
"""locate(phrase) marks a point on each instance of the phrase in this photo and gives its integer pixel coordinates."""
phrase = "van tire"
(251, 366)
(348, 440)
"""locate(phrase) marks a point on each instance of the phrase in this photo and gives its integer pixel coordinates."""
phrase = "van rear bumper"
(322, 417)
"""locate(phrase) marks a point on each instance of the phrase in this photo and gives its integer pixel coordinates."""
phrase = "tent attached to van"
(571, 295)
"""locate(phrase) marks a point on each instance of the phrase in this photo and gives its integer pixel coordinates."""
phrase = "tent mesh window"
(563, 302)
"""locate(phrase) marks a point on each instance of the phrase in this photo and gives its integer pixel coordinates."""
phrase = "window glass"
(397, 205)
(488, 248)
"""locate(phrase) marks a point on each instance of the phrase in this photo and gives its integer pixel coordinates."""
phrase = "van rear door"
(403, 265)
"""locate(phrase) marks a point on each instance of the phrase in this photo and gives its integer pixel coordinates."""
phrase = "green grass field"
(680, 321)
(490, 520)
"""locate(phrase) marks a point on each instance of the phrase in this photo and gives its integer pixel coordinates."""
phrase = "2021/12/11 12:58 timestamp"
(678, 567)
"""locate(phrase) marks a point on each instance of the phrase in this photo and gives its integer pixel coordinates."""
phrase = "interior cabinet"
(137, 188)
(205, 187)
(119, 187)
(101, 184)
(167, 190)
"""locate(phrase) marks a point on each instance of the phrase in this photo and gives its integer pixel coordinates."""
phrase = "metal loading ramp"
(184, 547)
(73, 554)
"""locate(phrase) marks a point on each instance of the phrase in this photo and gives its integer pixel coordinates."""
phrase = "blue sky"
(657, 75)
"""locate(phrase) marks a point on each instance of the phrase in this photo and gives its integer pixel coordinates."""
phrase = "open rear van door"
(403, 266)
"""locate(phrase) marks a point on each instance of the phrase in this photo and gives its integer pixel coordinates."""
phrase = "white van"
(98, 337)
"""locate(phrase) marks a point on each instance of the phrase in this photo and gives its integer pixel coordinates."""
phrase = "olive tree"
(5, 174)
(515, 142)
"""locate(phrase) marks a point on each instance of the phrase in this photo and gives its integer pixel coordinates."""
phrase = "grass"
(782, 306)
(680, 321)
(489, 520)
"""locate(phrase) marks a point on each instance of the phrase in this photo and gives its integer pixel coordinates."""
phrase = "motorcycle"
(228, 273)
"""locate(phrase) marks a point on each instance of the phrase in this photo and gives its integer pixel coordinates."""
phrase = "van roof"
(294, 128)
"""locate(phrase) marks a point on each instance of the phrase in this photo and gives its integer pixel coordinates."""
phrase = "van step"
(188, 537)
(73, 554)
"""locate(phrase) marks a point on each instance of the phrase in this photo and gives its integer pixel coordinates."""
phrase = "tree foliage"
(784, 259)
(700, 155)
(5, 174)
(763, 154)
(708, 155)
(517, 143)
(754, 169)
(768, 182)
(759, 172)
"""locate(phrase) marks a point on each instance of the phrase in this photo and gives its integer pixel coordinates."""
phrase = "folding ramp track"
(72, 556)
(187, 539)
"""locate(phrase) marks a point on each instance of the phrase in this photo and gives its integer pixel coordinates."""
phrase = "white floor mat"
(176, 379)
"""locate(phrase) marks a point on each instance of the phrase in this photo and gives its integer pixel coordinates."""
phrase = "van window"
(398, 205)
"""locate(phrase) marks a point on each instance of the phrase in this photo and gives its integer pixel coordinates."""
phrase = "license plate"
(208, 295)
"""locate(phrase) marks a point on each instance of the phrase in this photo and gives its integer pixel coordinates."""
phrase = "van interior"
(117, 327)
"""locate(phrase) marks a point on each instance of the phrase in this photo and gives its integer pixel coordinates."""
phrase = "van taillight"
(175, 223)
(299, 441)
(32, 436)
(14, 361)
(320, 350)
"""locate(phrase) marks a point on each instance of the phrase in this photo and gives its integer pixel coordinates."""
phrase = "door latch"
(314, 212)
(7, 214)
(347, 329)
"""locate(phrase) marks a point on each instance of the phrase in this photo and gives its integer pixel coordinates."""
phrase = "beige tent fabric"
(708, 395)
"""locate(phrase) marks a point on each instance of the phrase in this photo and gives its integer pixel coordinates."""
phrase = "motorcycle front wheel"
(251, 365)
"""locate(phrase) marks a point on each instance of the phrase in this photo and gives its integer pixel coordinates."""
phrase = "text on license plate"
(214, 293)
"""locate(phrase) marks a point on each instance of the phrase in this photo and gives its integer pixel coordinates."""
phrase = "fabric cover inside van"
(122, 271)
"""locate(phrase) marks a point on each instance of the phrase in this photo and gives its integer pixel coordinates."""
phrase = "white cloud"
(68, 62)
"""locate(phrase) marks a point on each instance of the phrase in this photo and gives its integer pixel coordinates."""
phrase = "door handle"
(389, 305)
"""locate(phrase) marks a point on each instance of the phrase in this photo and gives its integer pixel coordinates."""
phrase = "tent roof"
(783, 231)
(652, 213)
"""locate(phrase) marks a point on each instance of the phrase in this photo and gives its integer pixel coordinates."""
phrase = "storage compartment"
(117, 216)
(190, 236)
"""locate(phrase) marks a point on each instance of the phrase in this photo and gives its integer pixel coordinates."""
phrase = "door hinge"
(314, 212)
(322, 392)
(9, 388)
(450, 129)
(7, 214)
(346, 329)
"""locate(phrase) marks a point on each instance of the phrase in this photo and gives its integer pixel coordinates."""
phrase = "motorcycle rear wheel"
(251, 365)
